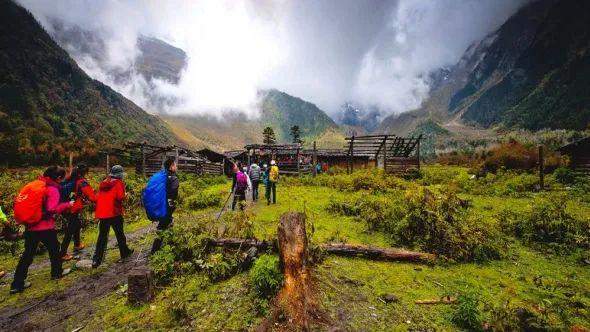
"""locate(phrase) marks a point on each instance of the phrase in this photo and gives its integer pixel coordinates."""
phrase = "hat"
(265, 165)
(272, 162)
(117, 172)
(245, 169)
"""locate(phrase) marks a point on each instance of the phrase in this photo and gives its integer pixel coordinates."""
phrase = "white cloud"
(328, 52)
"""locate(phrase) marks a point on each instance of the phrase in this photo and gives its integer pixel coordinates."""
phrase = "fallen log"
(442, 300)
(386, 254)
(348, 250)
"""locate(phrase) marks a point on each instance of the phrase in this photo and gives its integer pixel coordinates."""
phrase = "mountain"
(359, 119)
(532, 73)
(49, 106)
(277, 109)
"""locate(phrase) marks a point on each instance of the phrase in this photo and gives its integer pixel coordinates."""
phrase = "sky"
(370, 52)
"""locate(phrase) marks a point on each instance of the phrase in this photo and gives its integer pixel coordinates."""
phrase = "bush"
(266, 276)
(564, 175)
(467, 313)
(547, 221)
(202, 200)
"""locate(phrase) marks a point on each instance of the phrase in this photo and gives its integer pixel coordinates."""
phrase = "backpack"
(65, 190)
(273, 174)
(28, 205)
(154, 196)
(241, 182)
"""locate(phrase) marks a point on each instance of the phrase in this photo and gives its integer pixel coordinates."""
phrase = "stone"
(389, 298)
(83, 264)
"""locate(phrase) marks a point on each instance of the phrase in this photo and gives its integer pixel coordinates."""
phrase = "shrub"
(548, 221)
(266, 276)
(564, 175)
(202, 200)
(467, 313)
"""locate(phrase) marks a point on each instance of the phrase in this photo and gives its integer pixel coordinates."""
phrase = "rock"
(83, 264)
(389, 298)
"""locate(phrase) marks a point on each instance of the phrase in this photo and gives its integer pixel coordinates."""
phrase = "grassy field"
(514, 257)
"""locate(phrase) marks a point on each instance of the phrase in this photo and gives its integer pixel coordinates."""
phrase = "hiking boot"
(79, 247)
(26, 285)
(127, 255)
(64, 273)
(66, 257)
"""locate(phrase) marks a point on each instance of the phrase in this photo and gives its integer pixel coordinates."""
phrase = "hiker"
(254, 175)
(109, 212)
(36, 207)
(235, 169)
(82, 193)
(273, 178)
(318, 168)
(241, 186)
(172, 185)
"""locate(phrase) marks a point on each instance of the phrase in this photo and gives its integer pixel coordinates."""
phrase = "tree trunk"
(386, 254)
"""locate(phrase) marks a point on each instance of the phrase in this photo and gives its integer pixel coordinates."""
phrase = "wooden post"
(541, 168)
(385, 154)
(143, 159)
(314, 159)
(418, 151)
(351, 155)
(108, 163)
(71, 164)
(140, 286)
(298, 161)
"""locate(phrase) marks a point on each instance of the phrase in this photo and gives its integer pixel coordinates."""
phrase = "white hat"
(245, 169)
(265, 165)
(272, 162)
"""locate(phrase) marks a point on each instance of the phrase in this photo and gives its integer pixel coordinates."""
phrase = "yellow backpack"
(273, 175)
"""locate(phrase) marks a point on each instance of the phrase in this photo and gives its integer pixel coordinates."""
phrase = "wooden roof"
(373, 145)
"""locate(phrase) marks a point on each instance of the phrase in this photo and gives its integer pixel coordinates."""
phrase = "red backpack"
(28, 205)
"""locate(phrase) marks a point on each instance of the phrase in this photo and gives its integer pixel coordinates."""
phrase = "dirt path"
(77, 302)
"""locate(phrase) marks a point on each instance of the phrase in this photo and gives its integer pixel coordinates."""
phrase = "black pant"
(163, 224)
(72, 230)
(104, 226)
(32, 239)
(271, 190)
(255, 184)
(238, 197)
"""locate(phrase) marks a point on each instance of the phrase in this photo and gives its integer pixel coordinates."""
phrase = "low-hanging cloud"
(372, 52)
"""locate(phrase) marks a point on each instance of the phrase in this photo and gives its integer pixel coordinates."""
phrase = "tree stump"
(140, 286)
(295, 297)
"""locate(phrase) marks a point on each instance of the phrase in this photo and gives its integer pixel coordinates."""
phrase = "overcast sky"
(372, 52)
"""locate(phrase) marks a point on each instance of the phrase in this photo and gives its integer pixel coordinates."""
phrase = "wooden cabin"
(330, 158)
(392, 153)
(579, 154)
(149, 159)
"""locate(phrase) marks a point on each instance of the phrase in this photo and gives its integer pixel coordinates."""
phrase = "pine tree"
(296, 134)
(268, 136)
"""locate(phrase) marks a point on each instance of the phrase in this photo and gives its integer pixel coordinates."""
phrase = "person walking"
(240, 188)
(172, 185)
(40, 225)
(273, 178)
(109, 212)
(82, 194)
(255, 174)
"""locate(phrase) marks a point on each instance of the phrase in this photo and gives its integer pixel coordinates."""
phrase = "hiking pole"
(224, 204)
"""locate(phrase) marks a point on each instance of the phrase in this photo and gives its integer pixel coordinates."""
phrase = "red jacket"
(52, 206)
(84, 192)
(109, 199)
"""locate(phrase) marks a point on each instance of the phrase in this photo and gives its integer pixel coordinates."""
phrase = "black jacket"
(172, 185)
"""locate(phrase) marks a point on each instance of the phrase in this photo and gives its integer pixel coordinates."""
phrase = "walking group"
(58, 193)
(247, 180)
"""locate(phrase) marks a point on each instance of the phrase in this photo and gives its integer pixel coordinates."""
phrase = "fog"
(371, 52)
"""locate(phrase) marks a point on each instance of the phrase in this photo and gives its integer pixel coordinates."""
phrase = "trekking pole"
(224, 205)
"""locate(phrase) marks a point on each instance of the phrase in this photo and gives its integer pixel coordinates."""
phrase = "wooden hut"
(393, 153)
(579, 154)
(289, 157)
(330, 158)
(149, 159)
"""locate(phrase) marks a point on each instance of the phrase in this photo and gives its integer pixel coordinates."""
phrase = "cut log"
(387, 254)
(295, 298)
(140, 286)
(442, 300)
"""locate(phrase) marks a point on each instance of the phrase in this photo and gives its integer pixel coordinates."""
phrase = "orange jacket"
(84, 192)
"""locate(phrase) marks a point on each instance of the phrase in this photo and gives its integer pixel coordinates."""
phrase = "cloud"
(373, 52)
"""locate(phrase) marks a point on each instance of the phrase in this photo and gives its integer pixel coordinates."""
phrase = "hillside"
(532, 73)
(48, 105)
(277, 109)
